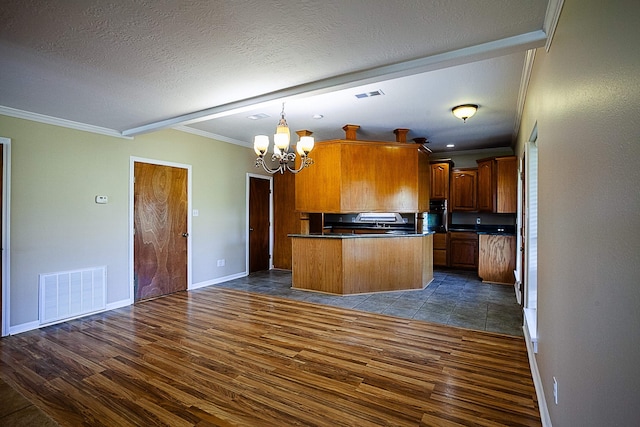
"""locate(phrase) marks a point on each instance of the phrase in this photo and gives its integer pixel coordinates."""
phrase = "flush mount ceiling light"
(464, 111)
(281, 154)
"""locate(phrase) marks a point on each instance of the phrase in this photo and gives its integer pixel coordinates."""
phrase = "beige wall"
(585, 96)
(57, 226)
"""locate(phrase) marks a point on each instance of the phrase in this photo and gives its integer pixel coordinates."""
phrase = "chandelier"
(281, 155)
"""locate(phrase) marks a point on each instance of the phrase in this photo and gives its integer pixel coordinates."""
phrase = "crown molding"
(41, 118)
(551, 20)
(522, 93)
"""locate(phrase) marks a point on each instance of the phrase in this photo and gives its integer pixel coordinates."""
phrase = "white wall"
(57, 226)
(585, 96)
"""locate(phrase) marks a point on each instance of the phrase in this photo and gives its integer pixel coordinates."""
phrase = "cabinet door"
(486, 186)
(506, 184)
(463, 250)
(440, 181)
(497, 258)
(463, 190)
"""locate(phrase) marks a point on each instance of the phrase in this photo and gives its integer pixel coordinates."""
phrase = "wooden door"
(259, 201)
(1, 240)
(160, 230)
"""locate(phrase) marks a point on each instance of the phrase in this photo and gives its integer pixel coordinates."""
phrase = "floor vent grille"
(69, 294)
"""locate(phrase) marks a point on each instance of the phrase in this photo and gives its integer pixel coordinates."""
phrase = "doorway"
(5, 174)
(160, 229)
(530, 237)
(259, 223)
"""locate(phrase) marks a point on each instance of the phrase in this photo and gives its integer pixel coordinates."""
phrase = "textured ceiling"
(122, 65)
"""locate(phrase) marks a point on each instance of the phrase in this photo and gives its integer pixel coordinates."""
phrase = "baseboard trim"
(24, 327)
(537, 381)
(118, 304)
(215, 281)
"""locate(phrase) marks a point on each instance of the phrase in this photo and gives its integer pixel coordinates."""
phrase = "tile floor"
(456, 298)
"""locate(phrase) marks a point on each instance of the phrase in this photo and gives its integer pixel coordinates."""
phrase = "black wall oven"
(437, 216)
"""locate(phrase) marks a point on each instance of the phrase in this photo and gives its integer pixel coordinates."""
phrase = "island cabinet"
(463, 249)
(440, 247)
(361, 263)
(440, 172)
(364, 176)
(463, 190)
(497, 184)
(497, 258)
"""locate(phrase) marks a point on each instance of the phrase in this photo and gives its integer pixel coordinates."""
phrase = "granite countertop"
(506, 230)
(360, 236)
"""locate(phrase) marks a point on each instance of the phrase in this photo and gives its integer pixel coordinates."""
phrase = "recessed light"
(317, 116)
(450, 145)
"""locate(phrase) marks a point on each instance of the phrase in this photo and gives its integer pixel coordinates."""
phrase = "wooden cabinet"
(497, 258)
(463, 249)
(463, 190)
(497, 184)
(440, 172)
(506, 184)
(364, 176)
(485, 185)
(440, 249)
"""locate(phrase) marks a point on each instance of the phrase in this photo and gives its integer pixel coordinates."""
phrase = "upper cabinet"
(497, 184)
(440, 179)
(463, 190)
(364, 176)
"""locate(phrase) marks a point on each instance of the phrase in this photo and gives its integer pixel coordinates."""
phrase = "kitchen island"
(361, 263)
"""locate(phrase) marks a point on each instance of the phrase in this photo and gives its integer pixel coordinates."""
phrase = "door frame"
(6, 251)
(246, 228)
(132, 162)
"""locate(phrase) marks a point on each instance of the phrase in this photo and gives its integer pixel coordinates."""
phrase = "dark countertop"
(359, 236)
(505, 230)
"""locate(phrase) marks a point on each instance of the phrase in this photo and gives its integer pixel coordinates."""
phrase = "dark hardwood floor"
(223, 357)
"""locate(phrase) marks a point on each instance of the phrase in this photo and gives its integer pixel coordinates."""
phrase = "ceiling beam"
(482, 51)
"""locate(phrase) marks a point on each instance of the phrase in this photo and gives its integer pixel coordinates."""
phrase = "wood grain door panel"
(160, 227)
(259, 200)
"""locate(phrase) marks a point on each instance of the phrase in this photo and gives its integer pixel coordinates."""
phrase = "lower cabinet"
(497, 258)
(463, 249)
(440, 244)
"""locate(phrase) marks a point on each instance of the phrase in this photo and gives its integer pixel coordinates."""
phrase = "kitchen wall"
(56, 225)
(584, 96)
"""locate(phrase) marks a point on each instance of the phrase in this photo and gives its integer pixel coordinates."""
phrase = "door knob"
(185, 234)
(250, 228)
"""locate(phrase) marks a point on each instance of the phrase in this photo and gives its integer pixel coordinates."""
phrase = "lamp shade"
(260, 144)
(305, 145)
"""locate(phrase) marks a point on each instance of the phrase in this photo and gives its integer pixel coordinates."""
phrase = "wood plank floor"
(220, 357)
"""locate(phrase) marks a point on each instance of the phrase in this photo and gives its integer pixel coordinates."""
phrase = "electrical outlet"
(555, 390)
(221, 263)
(478, 220)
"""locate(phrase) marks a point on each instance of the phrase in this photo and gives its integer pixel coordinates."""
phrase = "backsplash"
(469, 218)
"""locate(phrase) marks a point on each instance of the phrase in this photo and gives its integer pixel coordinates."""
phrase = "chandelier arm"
(260, 162)
(304, 163)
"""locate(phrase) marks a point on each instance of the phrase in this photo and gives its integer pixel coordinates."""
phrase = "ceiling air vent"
(369, 94)
(258, 116)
